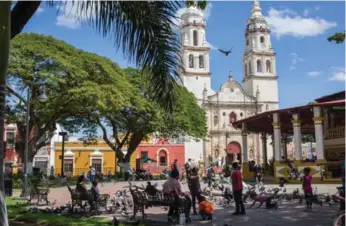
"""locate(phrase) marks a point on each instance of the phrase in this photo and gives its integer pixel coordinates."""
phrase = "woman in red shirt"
(237, 184)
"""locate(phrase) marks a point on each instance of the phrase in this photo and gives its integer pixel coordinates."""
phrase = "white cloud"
(295, 61)
(287, 22)
(40, 10)
(292, 68)
(338, 75)
(314, 73)
(317, 7)
(68, 16)
(306, 12)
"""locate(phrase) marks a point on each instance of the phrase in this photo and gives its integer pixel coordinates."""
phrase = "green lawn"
(15, 208)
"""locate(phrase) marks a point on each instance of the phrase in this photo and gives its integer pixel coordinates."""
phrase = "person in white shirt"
(92, 174)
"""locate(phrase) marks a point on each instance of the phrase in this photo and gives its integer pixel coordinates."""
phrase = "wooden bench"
(83, 199)
(39, 192)
(142, 200)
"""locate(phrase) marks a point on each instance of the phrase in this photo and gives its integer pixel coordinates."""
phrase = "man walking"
(237, 184)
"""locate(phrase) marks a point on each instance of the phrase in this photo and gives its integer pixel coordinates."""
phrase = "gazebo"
(325, 118)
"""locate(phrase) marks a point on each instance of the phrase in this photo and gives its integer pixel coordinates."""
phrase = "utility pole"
(63, 134)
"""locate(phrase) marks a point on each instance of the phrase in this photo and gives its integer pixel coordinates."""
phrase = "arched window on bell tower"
(250, 69)
(245, 69)
(259, 66)
(201, 61)
(191, 61)
(195, 38)
(268, 67)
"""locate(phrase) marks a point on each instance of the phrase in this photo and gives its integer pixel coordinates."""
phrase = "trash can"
(8, 179)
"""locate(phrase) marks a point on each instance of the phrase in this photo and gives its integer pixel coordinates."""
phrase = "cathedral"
(257, 92)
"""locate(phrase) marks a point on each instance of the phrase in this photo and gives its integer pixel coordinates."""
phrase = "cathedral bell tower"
(259, 71)
(195, 52)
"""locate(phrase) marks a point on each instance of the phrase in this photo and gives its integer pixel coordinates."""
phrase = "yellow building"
(79, 157)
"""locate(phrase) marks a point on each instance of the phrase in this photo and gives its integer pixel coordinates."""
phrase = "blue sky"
(308, 65)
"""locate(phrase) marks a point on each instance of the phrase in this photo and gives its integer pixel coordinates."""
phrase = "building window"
(201, 61)
(268, 66)
(245, 69)
(163, 158)
(250, 70)
(68, 166)
(224, 114)
(10, 139)
(259, 66)
(196, 77)
(262, 39)
(191, 61)
(195, 38)
(216, 120)
(247, 42)
(232, 117)
(267, 107)
(241, 114)
(144, 155)
(97, 164)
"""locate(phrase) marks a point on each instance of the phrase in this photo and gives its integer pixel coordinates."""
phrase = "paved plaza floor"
(288, 213)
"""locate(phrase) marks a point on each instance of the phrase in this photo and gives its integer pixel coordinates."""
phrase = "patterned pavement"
(288, 213)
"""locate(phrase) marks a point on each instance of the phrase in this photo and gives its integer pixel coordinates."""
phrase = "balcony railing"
(336, 132)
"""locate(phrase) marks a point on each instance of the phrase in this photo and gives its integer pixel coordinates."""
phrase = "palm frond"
(144, 31)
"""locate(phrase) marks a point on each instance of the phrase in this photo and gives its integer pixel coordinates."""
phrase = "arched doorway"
(233, 152)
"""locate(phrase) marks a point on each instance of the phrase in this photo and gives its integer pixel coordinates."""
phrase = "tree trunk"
(5, 22)
(21, 14)
(135, 140)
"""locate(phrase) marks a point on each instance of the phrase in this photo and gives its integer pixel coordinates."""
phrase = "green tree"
(143, 117)
(338, 38)
(75, 81)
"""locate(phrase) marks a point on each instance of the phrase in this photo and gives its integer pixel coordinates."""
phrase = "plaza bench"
(39, 192)
(82, 200)
(142, 200)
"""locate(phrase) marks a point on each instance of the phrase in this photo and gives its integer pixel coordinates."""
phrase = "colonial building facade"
(257, 92)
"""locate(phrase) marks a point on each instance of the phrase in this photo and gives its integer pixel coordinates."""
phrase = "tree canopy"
(338, 38)
(75, 83)
(130, 125)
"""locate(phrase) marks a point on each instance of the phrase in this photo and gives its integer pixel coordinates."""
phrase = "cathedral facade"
(257, 92)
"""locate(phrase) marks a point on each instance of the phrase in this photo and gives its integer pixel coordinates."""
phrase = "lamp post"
(226, 149)
(63, 134)
(42, 98)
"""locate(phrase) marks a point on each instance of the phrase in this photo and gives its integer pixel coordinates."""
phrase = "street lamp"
(42, 98)
(226, 136)
(63, 134)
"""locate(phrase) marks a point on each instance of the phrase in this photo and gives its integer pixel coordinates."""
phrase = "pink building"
(163, 153)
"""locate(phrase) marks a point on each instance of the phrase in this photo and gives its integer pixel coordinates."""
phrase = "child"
(307, 187)
(95, 190)
(206, 208)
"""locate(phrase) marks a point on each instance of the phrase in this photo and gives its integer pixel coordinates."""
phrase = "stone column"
(245, 164)
(297, 134)
(318, 119)
(277, 136)
(244, 144)
(284, 146)
(264, 150)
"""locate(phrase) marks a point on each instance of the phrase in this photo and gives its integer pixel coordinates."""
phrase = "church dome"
(192, 11)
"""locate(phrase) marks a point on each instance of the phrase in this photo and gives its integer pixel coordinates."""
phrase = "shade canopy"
(262, 123)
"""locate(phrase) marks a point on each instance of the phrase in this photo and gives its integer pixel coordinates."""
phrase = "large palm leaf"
(144, 32)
